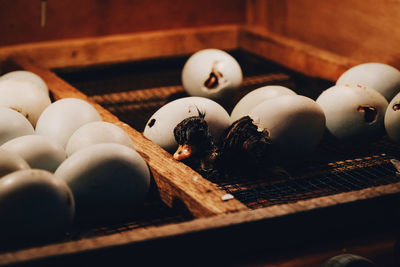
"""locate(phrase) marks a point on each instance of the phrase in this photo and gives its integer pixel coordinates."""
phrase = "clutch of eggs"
(34, 134)
(211, 73)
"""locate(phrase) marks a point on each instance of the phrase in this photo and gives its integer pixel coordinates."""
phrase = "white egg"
(295, 124)
(63, 117)
(392, 119)
(34, 205)
(23, 75)
(97, 132)
(378, 76)
(24, 97)
(13, 124)
(107, 180)
(353, 113)
(211, 73)
(160, 127)
(11, 162)
(255, 97)
(39, 151)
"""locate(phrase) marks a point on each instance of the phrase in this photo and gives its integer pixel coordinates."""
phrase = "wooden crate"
(213, 225)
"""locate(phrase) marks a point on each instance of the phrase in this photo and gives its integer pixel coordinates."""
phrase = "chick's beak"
(183, 152)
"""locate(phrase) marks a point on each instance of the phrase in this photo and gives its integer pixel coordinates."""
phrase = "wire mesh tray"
(134, 91)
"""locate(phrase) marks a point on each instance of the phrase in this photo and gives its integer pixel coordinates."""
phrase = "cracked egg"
(211, 73)
(353, 113)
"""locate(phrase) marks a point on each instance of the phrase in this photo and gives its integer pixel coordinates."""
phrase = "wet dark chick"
(242, 150)
(196, 145)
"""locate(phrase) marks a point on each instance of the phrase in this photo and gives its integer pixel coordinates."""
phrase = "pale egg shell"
(13, 124)
(63, 117)
(24, 97)
(23, 75)
(11, 162)
(160, 127)
(215, 64)
(97, 132)
(392, 119)
(378, 76)
(34, 205)
(40, 152)
(107, 180)
(347, 112)
(257, 96)
(295, 124)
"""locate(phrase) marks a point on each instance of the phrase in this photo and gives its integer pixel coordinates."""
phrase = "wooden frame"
(200, 196)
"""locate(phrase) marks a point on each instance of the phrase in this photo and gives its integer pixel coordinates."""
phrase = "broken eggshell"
(383, 78)
(257, 96)
(160, 127)
(295, 124)
(353, 113)
(211, 73)
(392, 119)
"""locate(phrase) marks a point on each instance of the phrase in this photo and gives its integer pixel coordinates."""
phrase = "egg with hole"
(34, 205)
(378, 76)
(97, 132)
(24, 97)
(63, 117)
(353, 113)
(23, 75)
(295, 124)
(11, 162)
(392, 119)
(38, 151)
(108, 181)
(160, 127)
(13, 124)
(211, 73)
(255, 97)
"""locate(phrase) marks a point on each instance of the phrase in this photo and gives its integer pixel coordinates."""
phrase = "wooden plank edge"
(201, 224)
(175, 181)
(293, 54)
(124, 47)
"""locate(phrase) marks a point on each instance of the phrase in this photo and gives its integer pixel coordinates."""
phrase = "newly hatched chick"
(242, 150)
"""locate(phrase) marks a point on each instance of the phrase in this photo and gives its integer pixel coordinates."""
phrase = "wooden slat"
(293, 54)
(174, 179)
(250, 217)
(124, 47)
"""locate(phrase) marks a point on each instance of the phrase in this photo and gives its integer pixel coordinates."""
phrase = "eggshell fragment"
(383, 78)
(211, 73)
(23, 75)
(107, 180)
(295, 124)
(97, 132)
(24, 97)
(160, 127)
(34, 205)
(353, 113)
(63, 117)
(40, 152)
(392, 119)
(257, 96)
(13, 124)
(11, 162)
